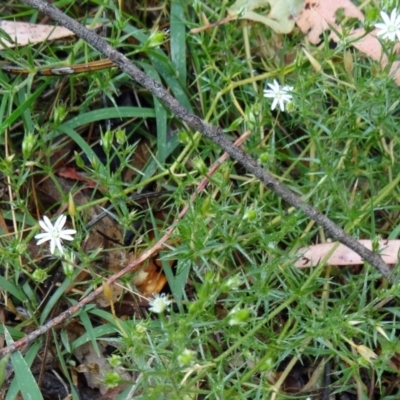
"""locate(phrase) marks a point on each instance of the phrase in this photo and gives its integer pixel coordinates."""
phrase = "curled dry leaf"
(280, 17)
(319, 16)
(342, 255)
(95, 366)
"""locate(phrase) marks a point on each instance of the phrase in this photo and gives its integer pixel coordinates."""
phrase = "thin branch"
(215, 133)
(132, 267)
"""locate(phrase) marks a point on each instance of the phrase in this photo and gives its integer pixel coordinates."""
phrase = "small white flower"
(54, 233)
(390, 28)
(159, 303)
(280, 94)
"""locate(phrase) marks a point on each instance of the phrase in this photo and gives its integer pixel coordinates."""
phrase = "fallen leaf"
(23, 33)
(319, 16)
(342, 255)
(280, 17)
(72, 173)
(95, 366)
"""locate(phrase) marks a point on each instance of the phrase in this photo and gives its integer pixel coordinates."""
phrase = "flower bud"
(250, 215)
(184, 137)
(155, 39)
(187, 357)
(120, 136)
(71, 206)
(68, 270)
(199, 165)
(112, 379)
(28, 144)
(78, 159)
(115, 360)
(239, 316)
(264, 158)
(40, 275)
(60, 112)
(205, 207)
(106, 141)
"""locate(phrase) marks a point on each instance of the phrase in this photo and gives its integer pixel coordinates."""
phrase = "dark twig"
(132, 267)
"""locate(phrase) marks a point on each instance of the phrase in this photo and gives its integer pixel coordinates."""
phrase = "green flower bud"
(187, 357)
(250, 215)
(184, 137)
(115, 360)
(251, 119)
(264, 158)
(21, 248)
(94, 162)
(199, 165)
(141, 329)
(155, 39)
(106, 141)
(239, 316)
(60, 112)
(79, 160)
(68, 270)
(28, 144)
(40, 275)
(120, 136)
(112, 379)
(197, 5)
(205, 207)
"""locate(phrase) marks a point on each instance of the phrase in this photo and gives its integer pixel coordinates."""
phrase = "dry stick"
(130, 268)
(215, 133)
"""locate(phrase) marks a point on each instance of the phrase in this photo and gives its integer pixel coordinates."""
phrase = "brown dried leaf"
(318, 16)
(23, 33)
(95, 366)
(342, 255)
(149, 279)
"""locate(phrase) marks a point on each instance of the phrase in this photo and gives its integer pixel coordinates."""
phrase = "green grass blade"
(108, 113)
(178, 40)
(3, 365)
(161, 121)
(26, 383)
(9, 287)
(28, 103)
(89, 329)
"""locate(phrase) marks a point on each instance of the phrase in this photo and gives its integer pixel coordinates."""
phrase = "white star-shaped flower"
(280, 94)
(54, 233)
(159, 303)
(390, 27)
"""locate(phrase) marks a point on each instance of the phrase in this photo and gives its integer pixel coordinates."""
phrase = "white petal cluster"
(280, 94)
(159, 303)
(390, 27)
(54, 233)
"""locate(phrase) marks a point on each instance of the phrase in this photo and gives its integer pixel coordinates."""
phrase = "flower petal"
(68, 232)
(52, 245)
(59, 245)
(61, 220)
(46, 224)
(63, 236)
(42, 240)
(385, 17)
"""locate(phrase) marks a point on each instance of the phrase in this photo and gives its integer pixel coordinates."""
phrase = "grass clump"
(239, 320)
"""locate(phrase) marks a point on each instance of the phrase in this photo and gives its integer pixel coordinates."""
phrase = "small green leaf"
(26, 382)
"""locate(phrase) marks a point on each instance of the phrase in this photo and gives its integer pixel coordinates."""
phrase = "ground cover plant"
(95, 170)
